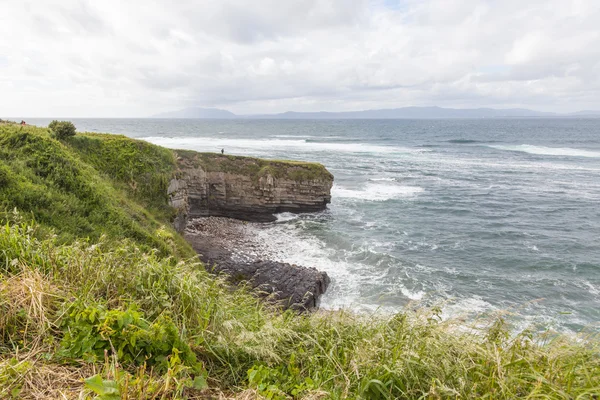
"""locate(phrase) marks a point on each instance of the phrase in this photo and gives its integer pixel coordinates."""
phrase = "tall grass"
(243, 344)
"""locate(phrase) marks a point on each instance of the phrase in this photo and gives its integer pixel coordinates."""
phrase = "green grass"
(99, 298)
(254, 167)
(83, 187)
(49, 290)
(140, 168)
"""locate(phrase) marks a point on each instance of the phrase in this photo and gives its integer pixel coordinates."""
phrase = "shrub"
(62, 129)
(5, 174)
(92, 330)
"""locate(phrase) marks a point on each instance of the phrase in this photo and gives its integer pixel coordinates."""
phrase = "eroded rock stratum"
(245, 188)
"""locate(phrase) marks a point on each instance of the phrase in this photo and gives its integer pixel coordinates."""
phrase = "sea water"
(473, 215)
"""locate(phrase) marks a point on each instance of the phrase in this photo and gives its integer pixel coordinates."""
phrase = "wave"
(469, 306)
(357, 282)
(411, 294)
(215, 144)
(308, 136)
(286, 216)
(549, 151)
(376, 192)
(293, 136)
(383, 179)
(463, 141)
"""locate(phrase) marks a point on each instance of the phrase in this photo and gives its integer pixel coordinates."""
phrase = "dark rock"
(293, 287)
(226, 247)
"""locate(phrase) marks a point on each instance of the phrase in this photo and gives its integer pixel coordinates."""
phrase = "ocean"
(476, 216)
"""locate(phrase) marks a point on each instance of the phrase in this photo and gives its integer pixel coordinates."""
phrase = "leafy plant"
(105, 389)
(120, 384)
(62, 129)
(281, 383)
(92, 330)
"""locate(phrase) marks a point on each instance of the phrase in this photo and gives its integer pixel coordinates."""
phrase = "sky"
(135, 58)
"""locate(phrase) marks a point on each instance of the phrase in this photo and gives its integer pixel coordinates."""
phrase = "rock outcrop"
(246, 188)
(231, 247)
(292, 286)
(251, 189)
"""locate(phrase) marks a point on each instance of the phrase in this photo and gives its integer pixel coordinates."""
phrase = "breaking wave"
(237, 145)
(549, 151)
(376, 192)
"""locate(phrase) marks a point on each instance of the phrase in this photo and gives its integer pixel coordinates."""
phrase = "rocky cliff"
(251, 189)
(245, 188)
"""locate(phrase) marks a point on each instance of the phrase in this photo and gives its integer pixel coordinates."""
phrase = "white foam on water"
(384, 179)
(413, 295)
(293, 136)
(376, 192)
(592, 289)
(308, 136)
(286, 242)
(532, 247)
(286, 216)
(445, 164)
(549, 151)
(230, 145)
(467, 307)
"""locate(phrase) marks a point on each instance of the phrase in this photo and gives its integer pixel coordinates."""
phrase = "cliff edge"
(250, 189)
(245, 188)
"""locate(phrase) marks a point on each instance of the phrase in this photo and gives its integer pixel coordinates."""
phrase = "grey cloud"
(79, 18)
(248, 22)
(154, 78)
(302, 55)
(85, 19)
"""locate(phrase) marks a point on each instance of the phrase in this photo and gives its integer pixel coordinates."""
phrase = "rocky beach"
(232, 247)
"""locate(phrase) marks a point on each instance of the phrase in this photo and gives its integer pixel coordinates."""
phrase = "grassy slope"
(95, 301)
(88, 186)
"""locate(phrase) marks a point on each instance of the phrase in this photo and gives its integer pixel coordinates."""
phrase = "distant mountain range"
(392, 113)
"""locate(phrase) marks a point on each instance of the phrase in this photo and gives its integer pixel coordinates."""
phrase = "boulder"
(291, 286)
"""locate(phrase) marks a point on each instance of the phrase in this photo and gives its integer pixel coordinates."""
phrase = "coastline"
(91, 264)
(231, 246)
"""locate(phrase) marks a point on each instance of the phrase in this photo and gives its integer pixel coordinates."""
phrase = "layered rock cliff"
(245, 188)
(251, 189)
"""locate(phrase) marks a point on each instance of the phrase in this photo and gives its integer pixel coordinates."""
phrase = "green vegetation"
(79, 187)
(62, 129)
(99, 298)
(139, 168)
(254, 167)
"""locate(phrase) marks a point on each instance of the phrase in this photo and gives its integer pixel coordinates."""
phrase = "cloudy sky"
(115, 58)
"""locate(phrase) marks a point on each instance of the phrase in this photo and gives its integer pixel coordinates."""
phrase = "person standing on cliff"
(222, 151)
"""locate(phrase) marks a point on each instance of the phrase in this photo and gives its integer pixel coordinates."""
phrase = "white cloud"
(135, 58)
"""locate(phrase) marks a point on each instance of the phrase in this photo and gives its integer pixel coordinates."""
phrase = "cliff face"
(245, 188)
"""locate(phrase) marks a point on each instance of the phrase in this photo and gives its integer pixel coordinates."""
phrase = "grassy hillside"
(88, 186)
(100, 298)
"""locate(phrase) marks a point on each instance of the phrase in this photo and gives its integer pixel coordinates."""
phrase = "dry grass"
(33, 378)
(28, 302)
